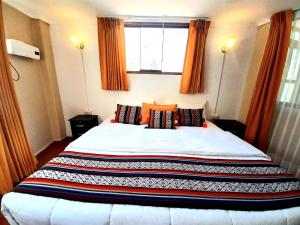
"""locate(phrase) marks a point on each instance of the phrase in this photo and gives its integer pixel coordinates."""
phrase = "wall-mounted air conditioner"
(19, 48)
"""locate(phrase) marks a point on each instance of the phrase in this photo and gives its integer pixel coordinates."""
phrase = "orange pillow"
(146, 110)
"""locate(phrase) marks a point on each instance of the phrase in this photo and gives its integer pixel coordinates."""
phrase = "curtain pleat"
(192, 80)
(16, 158)
(284, 138)
(5, 174)
(263, 101)
(111, 39)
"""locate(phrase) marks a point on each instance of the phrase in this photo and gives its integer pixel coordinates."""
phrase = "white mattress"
(109, 138)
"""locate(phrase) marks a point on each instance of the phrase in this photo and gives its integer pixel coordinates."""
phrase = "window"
(155, 47)
(290, 92)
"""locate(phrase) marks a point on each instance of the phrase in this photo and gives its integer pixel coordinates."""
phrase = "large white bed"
(114, 138)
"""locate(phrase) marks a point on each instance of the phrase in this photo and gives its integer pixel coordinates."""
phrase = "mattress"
(118, 139)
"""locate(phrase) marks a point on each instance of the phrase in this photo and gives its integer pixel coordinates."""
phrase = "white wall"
(71, 83)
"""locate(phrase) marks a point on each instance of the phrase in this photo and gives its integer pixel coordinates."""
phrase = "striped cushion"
(190, 117)
(161, 119)
(128, 114)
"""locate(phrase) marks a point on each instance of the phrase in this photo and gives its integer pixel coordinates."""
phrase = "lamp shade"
(77, 42)
(227, 45)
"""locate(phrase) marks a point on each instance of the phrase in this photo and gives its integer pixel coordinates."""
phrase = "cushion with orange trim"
(147, 107)
(161, 119)
(128, 114)
(190, 117)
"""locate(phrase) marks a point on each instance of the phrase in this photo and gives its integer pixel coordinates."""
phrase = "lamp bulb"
(77, 42)
(228, 45)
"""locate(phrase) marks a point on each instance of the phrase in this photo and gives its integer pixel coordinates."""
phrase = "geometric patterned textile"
(128, 114)
(161, 119)
(171, 181)
(190, 117)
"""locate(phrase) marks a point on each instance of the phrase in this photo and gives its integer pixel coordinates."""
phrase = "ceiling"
(219, 11)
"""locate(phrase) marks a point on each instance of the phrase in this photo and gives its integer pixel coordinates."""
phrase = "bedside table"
(82, 123)
(233, 126)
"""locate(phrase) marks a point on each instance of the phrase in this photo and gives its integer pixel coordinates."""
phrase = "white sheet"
(110, 138)
(210, 142)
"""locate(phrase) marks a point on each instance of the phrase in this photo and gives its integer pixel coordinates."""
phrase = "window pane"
(296, 30)
(290, 89)
(132, 44)
(294, 64)
(175, 40)
(296, 36)
(151, 48)
(287, 92)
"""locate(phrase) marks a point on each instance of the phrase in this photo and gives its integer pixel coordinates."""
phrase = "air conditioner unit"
(19, 48)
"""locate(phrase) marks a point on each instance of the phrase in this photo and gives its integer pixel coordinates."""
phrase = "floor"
(45, 156)
(52, 150)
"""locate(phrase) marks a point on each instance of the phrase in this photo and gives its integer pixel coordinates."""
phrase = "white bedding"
(211, 142)
(110, 138)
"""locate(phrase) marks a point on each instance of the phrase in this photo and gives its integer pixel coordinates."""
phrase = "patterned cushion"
(161, 119)
(128, 114)
(146, 110)
(190, 117)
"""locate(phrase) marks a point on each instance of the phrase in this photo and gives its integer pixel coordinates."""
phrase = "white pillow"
(132, 102)
(184, 105)
(187, 105)
(160, 101)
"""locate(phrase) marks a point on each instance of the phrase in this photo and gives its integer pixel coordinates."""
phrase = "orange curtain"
(16, 158)
(112, 54)
(192, 80)
(268, 81)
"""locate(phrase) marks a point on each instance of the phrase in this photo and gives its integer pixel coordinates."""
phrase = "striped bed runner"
(165, 181)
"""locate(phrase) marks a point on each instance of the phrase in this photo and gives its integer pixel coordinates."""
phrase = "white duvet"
(108, 138)
(211, 142)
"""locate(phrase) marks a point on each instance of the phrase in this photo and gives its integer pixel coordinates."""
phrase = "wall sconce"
(226, 47)
(77, 42)
(80, 45)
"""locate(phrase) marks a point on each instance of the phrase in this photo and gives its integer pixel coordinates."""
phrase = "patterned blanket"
(165, 181)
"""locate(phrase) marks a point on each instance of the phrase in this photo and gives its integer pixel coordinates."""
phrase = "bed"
(122, 140)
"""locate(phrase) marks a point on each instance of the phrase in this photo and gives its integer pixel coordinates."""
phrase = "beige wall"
(43, 41)
(261, 40)
(37, 89)
(145, 87)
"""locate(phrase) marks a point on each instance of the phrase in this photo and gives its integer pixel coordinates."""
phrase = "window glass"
(151, 48)
(290, 88)
(155, 49)
(294, 65)
(174, 49)
(132, 45)
(287, 92)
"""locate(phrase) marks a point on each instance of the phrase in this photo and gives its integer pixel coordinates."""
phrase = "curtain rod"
(158, 18)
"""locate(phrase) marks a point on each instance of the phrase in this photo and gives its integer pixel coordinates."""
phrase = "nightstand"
(82, 123)
(233, 126)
